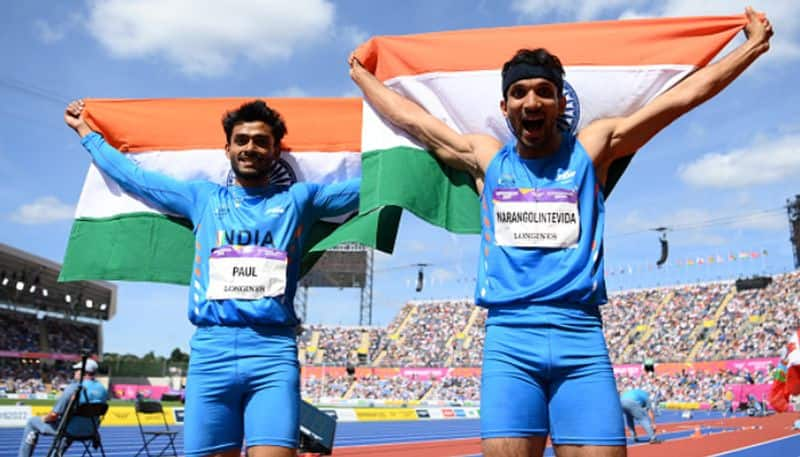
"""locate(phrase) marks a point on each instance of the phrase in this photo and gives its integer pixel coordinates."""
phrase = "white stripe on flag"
(469, 101)
(101, 197)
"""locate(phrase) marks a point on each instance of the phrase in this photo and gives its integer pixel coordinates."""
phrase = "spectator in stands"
(92, 392)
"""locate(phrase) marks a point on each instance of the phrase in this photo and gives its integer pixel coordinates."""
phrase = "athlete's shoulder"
(299, 191)
(205, 186)
(596, 137)
(300, 187)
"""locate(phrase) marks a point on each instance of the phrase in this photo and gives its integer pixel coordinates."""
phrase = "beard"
(259, 172)
(543, 137)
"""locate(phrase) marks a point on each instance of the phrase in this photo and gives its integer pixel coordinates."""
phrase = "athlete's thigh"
(229, 453)
(572, 450)
(513, 394)
(213, 410)
(584, 402)
(270, 451)
(272, 406)
(514, 447)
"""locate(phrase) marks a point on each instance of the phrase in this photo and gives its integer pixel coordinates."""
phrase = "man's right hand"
(50, 417)
(73, 117)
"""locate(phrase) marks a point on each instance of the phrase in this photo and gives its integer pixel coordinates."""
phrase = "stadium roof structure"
(29, 281)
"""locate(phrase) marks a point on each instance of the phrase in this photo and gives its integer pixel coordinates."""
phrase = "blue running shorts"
(243, 382)
(546, 370)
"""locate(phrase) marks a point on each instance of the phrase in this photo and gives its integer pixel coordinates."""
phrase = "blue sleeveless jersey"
(275, 217)
(509, 275)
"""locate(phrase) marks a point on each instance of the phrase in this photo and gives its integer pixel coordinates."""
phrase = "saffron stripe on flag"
(116, 236)
(613, 68)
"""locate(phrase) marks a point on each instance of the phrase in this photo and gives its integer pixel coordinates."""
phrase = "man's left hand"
(758, 29)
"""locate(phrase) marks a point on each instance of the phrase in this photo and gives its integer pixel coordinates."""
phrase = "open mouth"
(532, 125)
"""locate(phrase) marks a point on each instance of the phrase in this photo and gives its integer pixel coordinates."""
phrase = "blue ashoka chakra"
(572, 113)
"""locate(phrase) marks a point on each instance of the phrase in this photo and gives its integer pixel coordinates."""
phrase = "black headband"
(527, 71)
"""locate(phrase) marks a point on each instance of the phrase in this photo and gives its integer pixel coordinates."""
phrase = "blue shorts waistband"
(266, 329)
(537, 313)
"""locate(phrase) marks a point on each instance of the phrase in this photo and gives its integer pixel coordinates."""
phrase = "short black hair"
(538, 57)
(257, 110)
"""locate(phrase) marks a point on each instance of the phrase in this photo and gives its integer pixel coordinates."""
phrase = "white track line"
(754, 445)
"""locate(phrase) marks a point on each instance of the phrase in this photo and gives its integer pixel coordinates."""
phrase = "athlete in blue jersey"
(546, 369)
(243, 379)
(637, 407)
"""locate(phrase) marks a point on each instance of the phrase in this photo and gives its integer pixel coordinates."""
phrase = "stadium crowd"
(23, 376)
(628, 307)
(24, 332)
(692, 322)
(673, 324)
(756, 321)
(339, 345)
(27, 333)
(685, 386)
(429, 339)
(691, 386)
(673, 328)
(393, 388)
(701, 321)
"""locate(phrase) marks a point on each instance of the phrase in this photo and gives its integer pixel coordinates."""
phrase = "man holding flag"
(244, 376)
(540, 271)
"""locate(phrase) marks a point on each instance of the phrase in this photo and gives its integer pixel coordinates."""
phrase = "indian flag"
(613, 68)
(116, 236)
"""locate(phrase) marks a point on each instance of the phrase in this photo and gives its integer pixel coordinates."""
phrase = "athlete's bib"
(246, 273)
(536, 218)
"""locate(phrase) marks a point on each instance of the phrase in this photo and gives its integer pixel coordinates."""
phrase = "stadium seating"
(689, 323)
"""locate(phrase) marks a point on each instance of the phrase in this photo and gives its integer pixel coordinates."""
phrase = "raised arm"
(184, 198)
(610, 139)
(470, 153)
(335, 199)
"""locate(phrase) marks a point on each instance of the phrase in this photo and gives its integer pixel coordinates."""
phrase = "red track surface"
(749, 431)
(754, 430)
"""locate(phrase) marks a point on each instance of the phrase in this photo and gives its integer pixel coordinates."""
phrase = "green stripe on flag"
(131, 247)
(413, 179)
(156, 248)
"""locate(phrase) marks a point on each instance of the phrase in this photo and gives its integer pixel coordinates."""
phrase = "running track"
(731, 437)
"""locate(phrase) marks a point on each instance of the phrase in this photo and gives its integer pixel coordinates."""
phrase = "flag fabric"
(115, 236)
(612, 69)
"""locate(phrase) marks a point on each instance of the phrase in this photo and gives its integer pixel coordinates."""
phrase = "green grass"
(10, 402)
